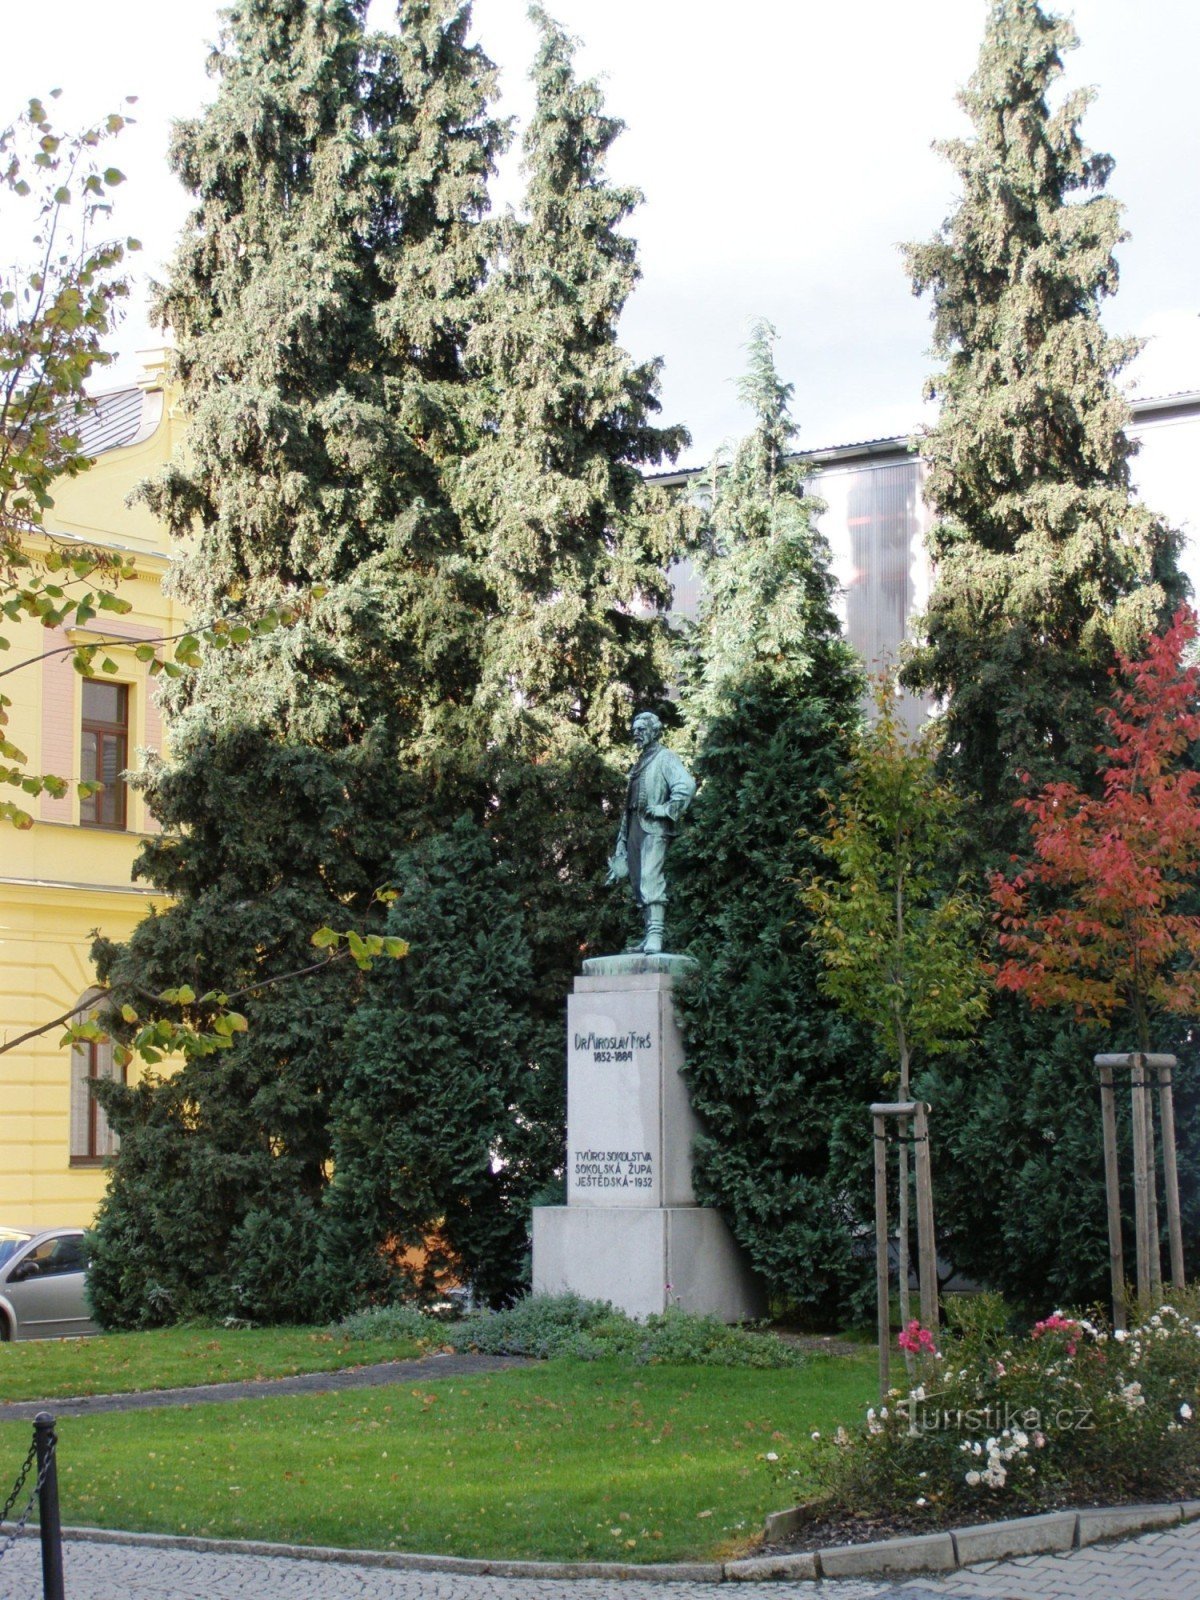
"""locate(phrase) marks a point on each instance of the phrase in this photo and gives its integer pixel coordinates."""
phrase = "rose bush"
(997, 1423)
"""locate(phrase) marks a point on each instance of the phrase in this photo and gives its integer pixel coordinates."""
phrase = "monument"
(631, 1230)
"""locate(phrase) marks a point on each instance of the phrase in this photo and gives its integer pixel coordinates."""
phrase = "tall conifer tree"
(778, 1076)
(1046, 565)
(1045, 562)
(319, 298)
(572, 545)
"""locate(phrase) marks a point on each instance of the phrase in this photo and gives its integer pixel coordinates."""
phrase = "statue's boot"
(656, 915)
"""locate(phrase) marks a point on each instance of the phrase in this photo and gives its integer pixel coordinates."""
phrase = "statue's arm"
(681, 786)
(618, 862)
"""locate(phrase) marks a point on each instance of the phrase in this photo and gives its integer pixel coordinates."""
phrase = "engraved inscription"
(612, 1169)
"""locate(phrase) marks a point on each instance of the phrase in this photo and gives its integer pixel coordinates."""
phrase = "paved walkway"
(1158, 1566)
(424, 1369)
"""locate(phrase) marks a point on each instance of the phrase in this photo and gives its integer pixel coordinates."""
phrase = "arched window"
(92, 1140)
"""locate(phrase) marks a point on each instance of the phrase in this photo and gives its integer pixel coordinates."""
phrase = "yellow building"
(69, 874)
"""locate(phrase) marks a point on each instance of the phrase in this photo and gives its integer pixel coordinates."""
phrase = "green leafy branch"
(207, 1022)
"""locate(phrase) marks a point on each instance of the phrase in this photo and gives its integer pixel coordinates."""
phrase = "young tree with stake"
(899, 939)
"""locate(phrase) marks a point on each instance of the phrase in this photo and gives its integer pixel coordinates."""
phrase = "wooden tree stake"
(1145, 1176)
(1112, 1190)
(926, 1246)
(1166, 1116)
(904, 1112)
(1145, 1184)
(882, 1297)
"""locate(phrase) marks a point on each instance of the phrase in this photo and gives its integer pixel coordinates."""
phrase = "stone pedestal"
(631, 1231)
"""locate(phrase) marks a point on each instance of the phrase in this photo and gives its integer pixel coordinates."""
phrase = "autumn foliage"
(1094, 921)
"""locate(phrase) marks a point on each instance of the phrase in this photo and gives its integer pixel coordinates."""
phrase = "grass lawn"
(566, 1460)
(171, 1358)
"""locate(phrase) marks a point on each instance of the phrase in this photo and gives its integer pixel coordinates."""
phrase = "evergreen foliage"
(1045, 563)
(779, 1078)
(1046, 566)
(318, 298)
(571, 543)
(441, 475)
(427, 1147)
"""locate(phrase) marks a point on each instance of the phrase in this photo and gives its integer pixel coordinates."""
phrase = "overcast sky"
(783, 147)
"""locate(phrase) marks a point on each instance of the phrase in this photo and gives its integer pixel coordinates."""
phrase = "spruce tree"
(319, 298)
(1045, 566)
(779, 1077)
(573, 542)
(572, 546)
(1045, 563)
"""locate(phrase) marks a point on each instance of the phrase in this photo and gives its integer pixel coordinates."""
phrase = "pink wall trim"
(59, 755)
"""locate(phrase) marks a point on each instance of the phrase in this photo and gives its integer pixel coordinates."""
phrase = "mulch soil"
(828, 1528)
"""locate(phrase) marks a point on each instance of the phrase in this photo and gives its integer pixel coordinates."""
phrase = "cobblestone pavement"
(1158, 1566)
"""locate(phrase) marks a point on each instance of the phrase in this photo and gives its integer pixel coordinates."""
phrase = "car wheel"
(5, 1329)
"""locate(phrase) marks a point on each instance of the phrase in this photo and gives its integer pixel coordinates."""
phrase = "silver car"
(42, 1281)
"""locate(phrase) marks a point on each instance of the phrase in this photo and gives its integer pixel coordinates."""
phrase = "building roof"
(119, 417)
(111, 420)
(1160, 408)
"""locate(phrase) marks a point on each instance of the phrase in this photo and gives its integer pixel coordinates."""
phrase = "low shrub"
(398, 1321)
(543, 1326)
(590, 1330)
(998, 1424)
(536, 1325)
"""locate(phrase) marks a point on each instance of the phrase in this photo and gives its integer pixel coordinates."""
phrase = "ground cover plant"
(558, 1461)
(999, 1423)
(545, 1326)
(166, 1358)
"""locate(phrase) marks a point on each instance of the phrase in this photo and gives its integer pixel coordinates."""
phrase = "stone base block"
(643, 1260)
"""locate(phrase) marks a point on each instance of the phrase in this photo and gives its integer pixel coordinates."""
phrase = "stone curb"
(661, 1571)
(1048, 1533)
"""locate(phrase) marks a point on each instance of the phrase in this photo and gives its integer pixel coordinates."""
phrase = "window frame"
(91, 1142)
(118, 791)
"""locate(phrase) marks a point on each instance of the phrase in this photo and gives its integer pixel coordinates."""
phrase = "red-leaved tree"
(1094, 921)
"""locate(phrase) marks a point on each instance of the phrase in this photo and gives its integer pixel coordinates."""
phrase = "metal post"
(1166, 1115)
(882, 1298)
(926, 1243)
(49, 1523)
(1141, 1194)
(1112, 1189)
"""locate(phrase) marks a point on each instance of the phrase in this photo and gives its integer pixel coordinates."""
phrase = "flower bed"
(992, 1425)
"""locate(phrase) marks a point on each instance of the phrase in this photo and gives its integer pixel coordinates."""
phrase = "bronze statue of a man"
(659, 792)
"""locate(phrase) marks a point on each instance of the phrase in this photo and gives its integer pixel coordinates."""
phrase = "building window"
(92, 1140)
(104, 752)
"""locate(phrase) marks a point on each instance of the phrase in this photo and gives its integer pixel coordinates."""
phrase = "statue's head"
(646, 729)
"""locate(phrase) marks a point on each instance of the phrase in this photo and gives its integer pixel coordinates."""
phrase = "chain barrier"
(7, 1540)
